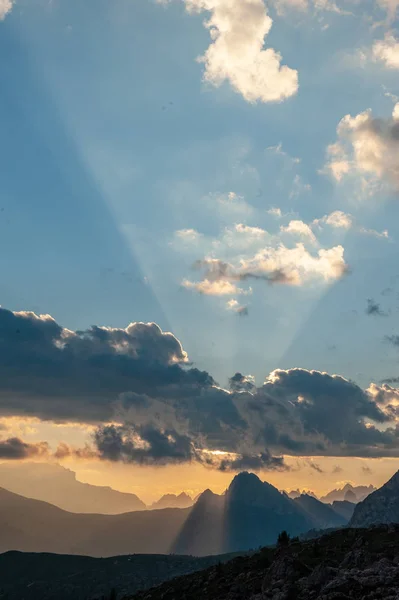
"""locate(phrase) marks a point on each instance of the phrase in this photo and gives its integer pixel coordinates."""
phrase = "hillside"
(343, 565)
(57, 485)
(36, 526)
(323, 515)
(382, 506)
(63, 577)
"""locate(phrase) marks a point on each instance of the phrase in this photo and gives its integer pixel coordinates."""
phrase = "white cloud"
(213, 288)
(188, 235)
(337, 219)
(299, 228)
(297, 265)
(235, 306)
(238, 29)
(275, 212)
(387, 51)
(5, 8)
(366, 148)
(378, 234)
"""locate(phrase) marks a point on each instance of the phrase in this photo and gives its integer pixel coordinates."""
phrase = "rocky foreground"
(343, 565)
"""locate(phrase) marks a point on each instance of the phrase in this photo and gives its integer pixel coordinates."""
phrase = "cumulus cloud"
(387, 52)
(16, 449)
(367, 148)
(236, 54)
(53, 373)
(337, 219)
(272, 264)
(5, 8)
(301, 229)
(148, 405)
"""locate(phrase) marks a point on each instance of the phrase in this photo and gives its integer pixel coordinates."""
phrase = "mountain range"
(251, 513)
(348, 493)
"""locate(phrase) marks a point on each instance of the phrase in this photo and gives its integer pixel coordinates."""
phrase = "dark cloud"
(263, 461)
(165, 411)
(374, 309)
(218, 270)
(241, 383)
(143, 445)
(242, 311)
(15, 449)
(54, 373)
(367, 470)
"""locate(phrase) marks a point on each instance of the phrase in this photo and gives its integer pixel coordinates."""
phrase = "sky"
(199, 237)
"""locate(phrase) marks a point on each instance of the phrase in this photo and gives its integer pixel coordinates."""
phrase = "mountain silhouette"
(324, 515)
(348, 492)
(380, 507)
(57, 485)
(250, 514)
(182, 500)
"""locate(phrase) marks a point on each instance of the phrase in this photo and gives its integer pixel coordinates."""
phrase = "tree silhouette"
(283, 539)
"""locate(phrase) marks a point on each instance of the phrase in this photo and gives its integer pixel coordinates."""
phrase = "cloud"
(242, 383)
(367, 149)
(272, 264)
(301, 229)
(387, 52)
(236, 53)
(337, 219)
(240, 310)
(366, 470)
(188, 235)
(148, 405)
(15, 449)
(337, 469)
(275, 212)
(58, 374)
(5, 8)
(374, 309)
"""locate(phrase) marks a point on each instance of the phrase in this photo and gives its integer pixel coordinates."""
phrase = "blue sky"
(126, 160)
(112, 142)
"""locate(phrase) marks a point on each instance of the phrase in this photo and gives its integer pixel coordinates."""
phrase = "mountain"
(250, 514)
(349, 493)
(323, 515)
(54, 484)
(347, 564)
(48, 576)
(183, 500)
(344, 508)
(293, 494)
(36, 526)
(382, 506)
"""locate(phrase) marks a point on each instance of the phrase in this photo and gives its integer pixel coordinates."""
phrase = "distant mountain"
(183, 500)
(323, 515)
(59, 486)
(382, 506)
(36, 526)
(250, 514)
(296, 493)
(349, 493)
(66, 577)
(344, 508)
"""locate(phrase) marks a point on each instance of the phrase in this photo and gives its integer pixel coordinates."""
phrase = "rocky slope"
(345, 565)
(382, 506)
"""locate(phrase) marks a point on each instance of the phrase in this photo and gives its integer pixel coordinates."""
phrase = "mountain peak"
(382, 506)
